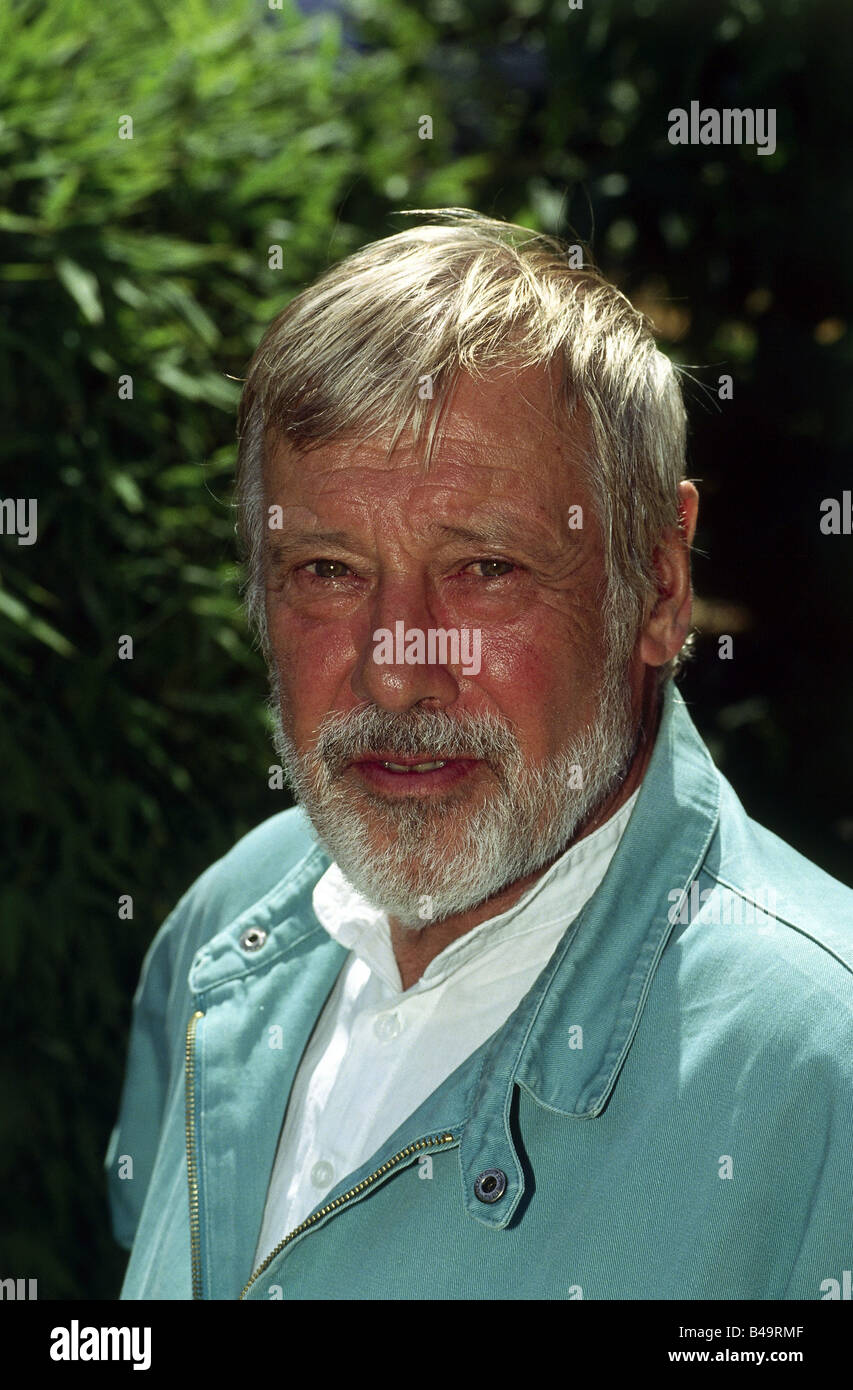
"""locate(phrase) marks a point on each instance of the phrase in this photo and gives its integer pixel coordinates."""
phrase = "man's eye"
(327, 569)
(493, 569)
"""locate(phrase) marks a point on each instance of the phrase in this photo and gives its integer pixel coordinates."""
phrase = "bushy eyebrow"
(497, 534)
(280, 548)
(502, 534)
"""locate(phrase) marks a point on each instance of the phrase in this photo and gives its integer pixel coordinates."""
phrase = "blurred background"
(148, 257)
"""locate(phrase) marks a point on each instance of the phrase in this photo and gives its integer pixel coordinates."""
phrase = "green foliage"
(148, 258)
(144, 258)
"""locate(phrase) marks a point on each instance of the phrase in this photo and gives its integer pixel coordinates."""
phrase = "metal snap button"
(252, 939)
(490, 1186)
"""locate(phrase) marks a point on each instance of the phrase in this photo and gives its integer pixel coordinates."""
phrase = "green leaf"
(36, 627)
(127, 489)
(83, 288)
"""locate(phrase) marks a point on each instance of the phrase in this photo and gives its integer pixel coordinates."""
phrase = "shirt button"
(387, 1026)
(322, 1174)
(252, 939)
(490, 1185)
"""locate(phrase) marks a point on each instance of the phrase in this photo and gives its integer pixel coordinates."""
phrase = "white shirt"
(377, 1050)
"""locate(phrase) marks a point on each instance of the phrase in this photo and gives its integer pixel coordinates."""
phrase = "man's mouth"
(414, 767)
(420, 772)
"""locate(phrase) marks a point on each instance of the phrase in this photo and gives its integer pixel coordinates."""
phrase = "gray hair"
(467, 293)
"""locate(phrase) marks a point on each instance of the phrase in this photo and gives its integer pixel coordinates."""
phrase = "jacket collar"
(599, 977)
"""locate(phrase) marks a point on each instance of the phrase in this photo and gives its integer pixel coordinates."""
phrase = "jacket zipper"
(192, 1166)
(346, 1197)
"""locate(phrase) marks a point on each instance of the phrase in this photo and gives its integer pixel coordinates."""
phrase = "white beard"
(424, 859)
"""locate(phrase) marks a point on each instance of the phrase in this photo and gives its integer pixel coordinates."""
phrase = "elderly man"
(517, 1002)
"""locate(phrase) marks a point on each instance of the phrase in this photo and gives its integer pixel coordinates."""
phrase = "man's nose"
(393, 669)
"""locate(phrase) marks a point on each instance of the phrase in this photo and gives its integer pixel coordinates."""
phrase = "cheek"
(314, 663)
(542, 684)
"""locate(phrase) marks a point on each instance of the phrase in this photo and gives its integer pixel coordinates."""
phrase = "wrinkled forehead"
(507, 429)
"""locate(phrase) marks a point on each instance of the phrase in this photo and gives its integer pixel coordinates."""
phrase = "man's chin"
(413, 905)
(417, 864)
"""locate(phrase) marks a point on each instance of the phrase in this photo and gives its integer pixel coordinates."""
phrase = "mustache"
(341, 738)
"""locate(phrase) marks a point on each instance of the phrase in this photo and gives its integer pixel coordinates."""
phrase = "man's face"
(532, 734)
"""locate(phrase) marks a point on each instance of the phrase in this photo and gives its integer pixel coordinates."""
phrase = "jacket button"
(252, 939)
(490, 1186)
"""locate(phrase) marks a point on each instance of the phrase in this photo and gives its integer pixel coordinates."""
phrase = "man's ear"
(668, 624)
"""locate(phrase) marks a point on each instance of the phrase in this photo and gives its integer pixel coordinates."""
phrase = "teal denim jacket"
(666, 1114)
